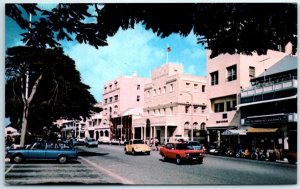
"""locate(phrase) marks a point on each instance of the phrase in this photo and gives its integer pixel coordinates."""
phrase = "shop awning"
(261, 130)
(234, 132)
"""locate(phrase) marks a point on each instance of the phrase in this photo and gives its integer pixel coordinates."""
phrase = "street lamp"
(192, 114)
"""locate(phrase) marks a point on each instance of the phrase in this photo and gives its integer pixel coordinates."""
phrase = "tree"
(55, 88)
(221, 27)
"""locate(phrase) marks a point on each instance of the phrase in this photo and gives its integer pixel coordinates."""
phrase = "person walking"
(156, 143)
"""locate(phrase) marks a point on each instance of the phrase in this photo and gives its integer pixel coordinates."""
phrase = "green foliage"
(60, 93)
(221, 27)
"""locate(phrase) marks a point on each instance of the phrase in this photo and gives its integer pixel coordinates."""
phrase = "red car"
(181, 152)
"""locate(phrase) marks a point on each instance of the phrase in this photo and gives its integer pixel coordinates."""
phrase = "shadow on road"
(85, 154)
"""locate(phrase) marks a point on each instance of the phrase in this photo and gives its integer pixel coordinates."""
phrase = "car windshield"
(91, 140)
(137, 142)
(183, 146)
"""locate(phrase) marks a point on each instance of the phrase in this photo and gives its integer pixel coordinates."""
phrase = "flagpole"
(167, 57)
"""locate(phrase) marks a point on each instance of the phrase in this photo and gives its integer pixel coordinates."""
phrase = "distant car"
(80, 141)
(196, 146)
(136, 146)
(181, 152)
(43, 151)
(91, 142)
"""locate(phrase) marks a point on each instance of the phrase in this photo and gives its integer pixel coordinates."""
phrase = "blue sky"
(129, 50)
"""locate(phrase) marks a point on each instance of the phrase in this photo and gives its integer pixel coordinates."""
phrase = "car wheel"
(17, 158)
(164, 157)
(200, 161)
(133, 152)
(178, 160)
(62, 159)
(125, 150)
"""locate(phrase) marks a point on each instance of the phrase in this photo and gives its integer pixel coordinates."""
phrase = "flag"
(169, 49)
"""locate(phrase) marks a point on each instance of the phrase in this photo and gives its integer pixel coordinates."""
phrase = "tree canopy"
(221, 27)
(60, 92)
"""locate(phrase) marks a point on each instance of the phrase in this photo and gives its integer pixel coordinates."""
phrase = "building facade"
(269, 107)
(119, 96)
(174, 106)
(226, 76)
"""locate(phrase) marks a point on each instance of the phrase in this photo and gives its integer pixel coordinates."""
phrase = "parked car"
(181, 152)
(137, 146)
(80, 141)
(91, 142)
(43, 151)
(196, 146)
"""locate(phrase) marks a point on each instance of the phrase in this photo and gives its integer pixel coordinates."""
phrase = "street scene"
(129, 94)
(108, 164)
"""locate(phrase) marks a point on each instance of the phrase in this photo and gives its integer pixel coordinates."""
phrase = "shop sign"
(222, 121)
(267, 119)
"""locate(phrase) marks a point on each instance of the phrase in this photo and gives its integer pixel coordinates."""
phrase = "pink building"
(174, 106)
(119, 96)
(226, 76)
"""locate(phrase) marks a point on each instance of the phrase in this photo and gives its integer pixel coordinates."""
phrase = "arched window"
(106, 133)
(202, 126)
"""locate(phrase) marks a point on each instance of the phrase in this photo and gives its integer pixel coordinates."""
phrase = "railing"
(269, 87)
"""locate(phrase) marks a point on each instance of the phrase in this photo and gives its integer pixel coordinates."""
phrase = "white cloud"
(128, 51)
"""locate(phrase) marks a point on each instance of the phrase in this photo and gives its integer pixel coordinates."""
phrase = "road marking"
(9, 169)
(112, 174)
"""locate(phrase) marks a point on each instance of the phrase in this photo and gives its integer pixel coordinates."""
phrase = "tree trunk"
(26, 102)
(24, 123)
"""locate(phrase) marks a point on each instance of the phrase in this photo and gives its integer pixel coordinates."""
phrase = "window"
(251, 72)
(138, 98)
(159, 91)
(195, 87)
(171, 87)
(214, 78)
(187, 85)
(110, 99)
(116, 97)
(219, 107)
(171, 110)
(116, 84)
(154, 92)
(224, 116)
(164, 89)
(203, 88)
(186, 109)
(234, 105)
(228, 106)
(195, 109)
(110, 86)
(105, 101)
(138, 87)
(231, 73)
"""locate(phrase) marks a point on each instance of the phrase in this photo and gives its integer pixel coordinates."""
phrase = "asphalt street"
(109, 165)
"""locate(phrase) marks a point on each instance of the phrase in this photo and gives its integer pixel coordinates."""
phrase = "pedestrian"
(151, 142)
(156, 143)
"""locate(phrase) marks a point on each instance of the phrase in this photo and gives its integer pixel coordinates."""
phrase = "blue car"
(43, 151)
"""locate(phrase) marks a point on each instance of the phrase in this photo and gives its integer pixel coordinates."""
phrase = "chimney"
(134, 74)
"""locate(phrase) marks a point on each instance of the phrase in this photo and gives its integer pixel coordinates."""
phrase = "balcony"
(269, 87)
(157, 120)
(268, 119)
(267, 91)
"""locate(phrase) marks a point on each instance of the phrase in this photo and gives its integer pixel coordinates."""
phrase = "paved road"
(52, 173)
(217, 170)
(108, 164)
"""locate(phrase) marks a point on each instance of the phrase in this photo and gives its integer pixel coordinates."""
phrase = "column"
(166, 134)
(145, 133)
(133, 133)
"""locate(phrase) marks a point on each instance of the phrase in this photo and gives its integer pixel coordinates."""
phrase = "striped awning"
(261, 130)
(234, 132)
